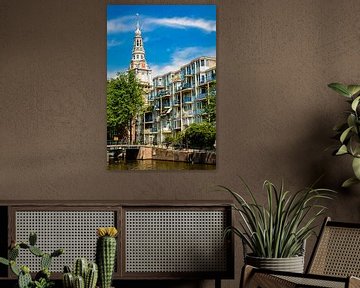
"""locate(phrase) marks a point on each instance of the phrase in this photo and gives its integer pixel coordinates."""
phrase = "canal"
(157, 165)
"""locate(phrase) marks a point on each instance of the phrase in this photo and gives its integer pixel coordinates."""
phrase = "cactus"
(91, 276)
(42, 278)
(36, 251)
(32, 238)
(24, 280)
(68, 280)
(87, 272)
(80, 267)
(45, 261)
(79, 282)
(105, 254)
(13, 253)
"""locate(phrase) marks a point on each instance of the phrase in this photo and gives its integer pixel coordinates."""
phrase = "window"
(202, 62)
(137, 56)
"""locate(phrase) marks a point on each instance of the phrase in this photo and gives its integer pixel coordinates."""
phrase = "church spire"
(138, 61)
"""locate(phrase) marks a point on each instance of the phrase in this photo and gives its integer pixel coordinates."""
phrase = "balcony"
(202, 96)
(166, 105)
(199, 111)
(166, 129)
(163, 93)
(188, 113)
(211, 78)
(158, 85)
(186, 86)
(188, 99)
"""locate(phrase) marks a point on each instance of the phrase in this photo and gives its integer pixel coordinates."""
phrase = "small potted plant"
(348, 132)
(275, 233)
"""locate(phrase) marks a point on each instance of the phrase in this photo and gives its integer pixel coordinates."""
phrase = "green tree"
(210, 106)
(200, 135)
(124, 102)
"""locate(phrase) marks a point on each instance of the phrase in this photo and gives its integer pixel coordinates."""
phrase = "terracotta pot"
(291, 264)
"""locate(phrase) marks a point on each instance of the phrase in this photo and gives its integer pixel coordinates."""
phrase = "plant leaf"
(353, 89)
(356, 167)
(355, 103)
(345, 134)
(340, 88)
(349, 182)
(342, 150)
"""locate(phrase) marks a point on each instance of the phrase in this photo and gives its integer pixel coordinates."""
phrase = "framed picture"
(161, 87)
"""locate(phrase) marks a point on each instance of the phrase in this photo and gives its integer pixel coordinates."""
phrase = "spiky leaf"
(36, 251)
(13, 253)
(45, 261)
(4, 261)
(24, 280)
(32, 238)
(57, 252)
(14, 268)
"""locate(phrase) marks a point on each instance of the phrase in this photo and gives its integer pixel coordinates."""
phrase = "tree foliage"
(200, 135)
(210, 106)
(124, 102)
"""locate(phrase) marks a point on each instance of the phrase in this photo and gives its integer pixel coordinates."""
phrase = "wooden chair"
(334, 263)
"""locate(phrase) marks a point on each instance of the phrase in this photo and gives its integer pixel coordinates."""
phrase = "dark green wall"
(275, 112)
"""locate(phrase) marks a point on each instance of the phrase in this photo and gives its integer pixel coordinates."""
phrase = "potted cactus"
(42, 278)
(106, 254)
(84, 275)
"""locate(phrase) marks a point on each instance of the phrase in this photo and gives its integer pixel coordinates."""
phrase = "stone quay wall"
(192, 156)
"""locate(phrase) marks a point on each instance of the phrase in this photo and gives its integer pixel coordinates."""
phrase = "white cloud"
(185, 22)
(113, 43)
(128, 23)
(121, 24)
(181, 57)
(112, 73)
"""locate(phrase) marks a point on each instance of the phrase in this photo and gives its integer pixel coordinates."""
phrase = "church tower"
(138, 61)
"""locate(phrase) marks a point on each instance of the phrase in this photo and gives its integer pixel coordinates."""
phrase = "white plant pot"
(291, 264)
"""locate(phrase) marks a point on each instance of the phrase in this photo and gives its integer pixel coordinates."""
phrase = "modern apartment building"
(173, 100)
(177, 99)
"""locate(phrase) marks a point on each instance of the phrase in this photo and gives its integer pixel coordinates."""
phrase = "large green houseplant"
(279, 229)
(348, 132)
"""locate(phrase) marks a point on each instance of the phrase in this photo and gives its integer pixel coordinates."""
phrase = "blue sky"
(172, 34)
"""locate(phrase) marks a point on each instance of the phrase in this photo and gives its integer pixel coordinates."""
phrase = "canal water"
(157, 165)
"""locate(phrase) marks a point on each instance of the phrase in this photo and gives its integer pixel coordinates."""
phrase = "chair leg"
(250, 278)
(246, 273)
(354, 282)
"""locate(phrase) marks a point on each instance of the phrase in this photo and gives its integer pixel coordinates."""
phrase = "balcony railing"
(187, 99)
(186, 86)
(202, 95)
(199, 111)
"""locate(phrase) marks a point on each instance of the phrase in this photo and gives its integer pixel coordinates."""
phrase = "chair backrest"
(337, 251)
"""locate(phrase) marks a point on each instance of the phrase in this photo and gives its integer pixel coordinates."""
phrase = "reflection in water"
(157, 165)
